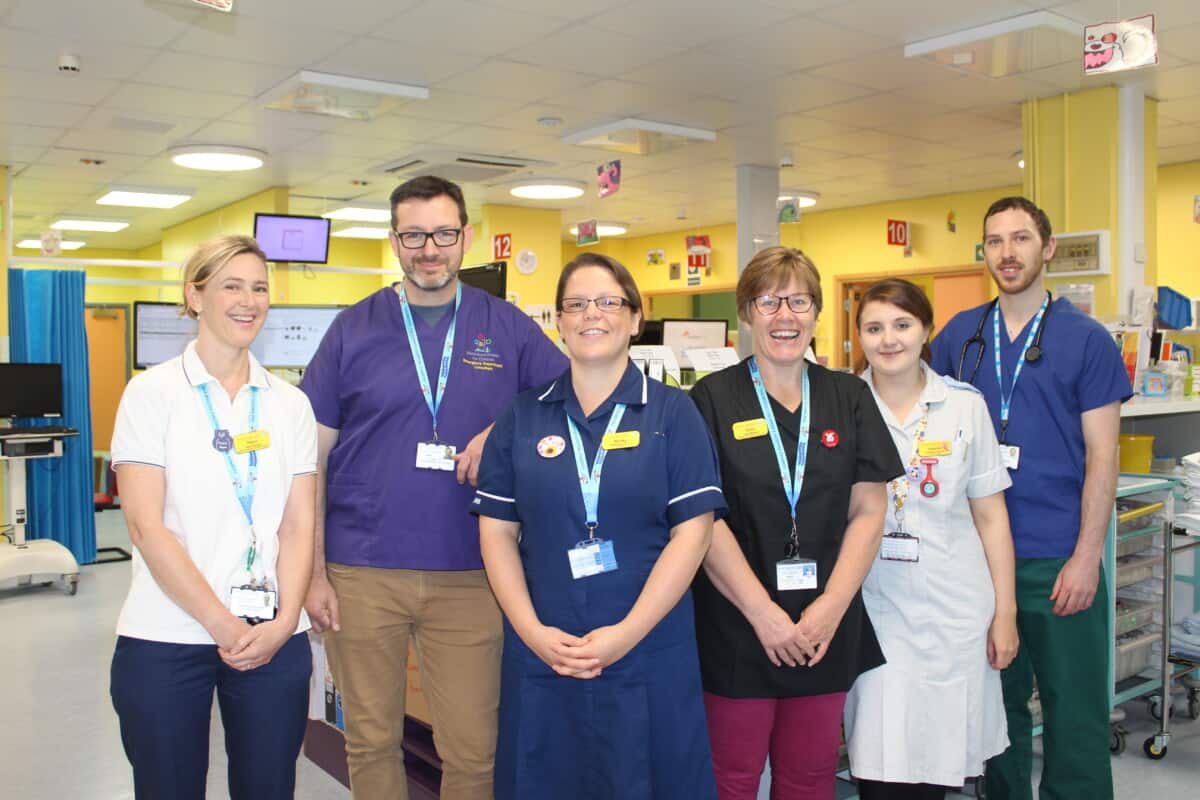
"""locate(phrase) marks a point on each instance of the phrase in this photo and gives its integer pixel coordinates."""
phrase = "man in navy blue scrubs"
(1054, 384)
(405, 387)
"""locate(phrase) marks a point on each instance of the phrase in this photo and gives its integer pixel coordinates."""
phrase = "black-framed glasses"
(769, 304)
(609, 304)
(442, 237)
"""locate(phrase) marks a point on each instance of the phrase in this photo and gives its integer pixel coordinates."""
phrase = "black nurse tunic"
(848, 443)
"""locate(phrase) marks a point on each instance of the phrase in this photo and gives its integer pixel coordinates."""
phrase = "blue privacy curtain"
(46, 325)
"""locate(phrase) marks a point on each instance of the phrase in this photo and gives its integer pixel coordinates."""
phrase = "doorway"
(950, 290)
(108, 366)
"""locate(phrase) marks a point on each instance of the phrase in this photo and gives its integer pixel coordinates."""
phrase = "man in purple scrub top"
(405, 386)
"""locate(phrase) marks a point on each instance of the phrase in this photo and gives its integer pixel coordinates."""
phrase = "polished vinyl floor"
(60, 737)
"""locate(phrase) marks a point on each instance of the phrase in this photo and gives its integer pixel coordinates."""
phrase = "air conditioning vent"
(458, 167)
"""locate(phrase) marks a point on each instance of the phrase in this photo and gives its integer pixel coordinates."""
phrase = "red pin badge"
(830, 438)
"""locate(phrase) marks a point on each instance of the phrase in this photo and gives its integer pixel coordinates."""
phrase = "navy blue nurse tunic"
(638, 730)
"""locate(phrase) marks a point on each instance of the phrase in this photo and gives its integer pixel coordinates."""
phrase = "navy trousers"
(163, 694)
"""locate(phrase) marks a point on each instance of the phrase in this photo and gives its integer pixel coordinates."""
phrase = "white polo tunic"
(162, 422)
(934, 712)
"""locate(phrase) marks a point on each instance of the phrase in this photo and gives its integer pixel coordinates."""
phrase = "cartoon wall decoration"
(608, 177)
(1117, 46)
(698, 250)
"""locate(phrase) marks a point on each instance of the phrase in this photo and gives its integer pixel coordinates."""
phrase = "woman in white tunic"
(941, 592)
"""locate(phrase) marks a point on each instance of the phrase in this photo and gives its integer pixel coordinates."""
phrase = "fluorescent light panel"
(362, 232)
(604, 229)
(36, 244)
(144, 198)
(360, 214)
(547, 189)
(100, 225)
(217, 157)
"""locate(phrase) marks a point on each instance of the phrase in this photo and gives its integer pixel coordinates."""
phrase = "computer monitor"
(491, 278)
(684, 334)
(159, 332)
(293, 238)
(652, 333)
(290, 335)
(31, 390)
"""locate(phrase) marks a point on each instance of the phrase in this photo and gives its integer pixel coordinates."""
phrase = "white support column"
(1131, 195)
(757, 222)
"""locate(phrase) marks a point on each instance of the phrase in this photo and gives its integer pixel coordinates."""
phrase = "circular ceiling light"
(603, 229)
(217, 157)
(547, 189)
(803, 197)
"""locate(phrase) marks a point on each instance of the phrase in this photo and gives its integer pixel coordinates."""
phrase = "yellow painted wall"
(533, 229)
(1178, 236)
(311, 287)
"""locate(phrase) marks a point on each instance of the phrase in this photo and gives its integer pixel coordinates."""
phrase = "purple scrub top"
(380, 510)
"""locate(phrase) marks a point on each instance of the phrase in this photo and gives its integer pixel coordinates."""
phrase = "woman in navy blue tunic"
(600, 688)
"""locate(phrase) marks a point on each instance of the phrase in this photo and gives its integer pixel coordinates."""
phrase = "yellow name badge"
(750, 429)
(621, 440)
(939, 447)
(249, 442)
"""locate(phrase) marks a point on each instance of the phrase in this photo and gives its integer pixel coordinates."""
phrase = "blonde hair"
(207, 259)
(769, 270)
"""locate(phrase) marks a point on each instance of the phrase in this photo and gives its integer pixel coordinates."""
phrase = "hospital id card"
(795, 573)
(435, 455)
(1010, 456)
(592, 557)
(900, 547)
(252, 603)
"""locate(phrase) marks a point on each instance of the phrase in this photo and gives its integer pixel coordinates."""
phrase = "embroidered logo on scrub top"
(830, 438)
(551, 446)
(480, 356)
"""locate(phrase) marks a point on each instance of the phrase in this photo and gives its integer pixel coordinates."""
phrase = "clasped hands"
(796, 644)
(580, 656)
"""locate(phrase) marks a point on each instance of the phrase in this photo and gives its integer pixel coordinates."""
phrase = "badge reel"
(794, 572)
(252, 598)
(898, 545)
(592, 556)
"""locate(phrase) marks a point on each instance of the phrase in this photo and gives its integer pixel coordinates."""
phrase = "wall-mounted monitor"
(293, 238)
(159, 332)
(491, 278)
(684, 334)
(289, 337)
(31, 390)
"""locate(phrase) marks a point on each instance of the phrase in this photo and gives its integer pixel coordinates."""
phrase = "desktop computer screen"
(31, 390)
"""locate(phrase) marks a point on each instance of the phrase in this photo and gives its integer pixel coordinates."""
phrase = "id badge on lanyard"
(593, 555)
(1010, 455)
(433, 454)
(793, 572)
(900, 545)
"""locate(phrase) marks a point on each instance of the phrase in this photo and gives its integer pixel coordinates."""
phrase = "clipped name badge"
(592, 557)
(1010, 456)
(621, 440)
(750, 429)
(900, 547)
(435, 455)
(795, 573)
(940, 447)
(252, 603)
(252, 441)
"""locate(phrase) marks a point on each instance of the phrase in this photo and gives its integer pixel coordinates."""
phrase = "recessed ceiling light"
(217, 157)
(360, 214)
(603, 229)
(803, 197)
(36, 244)
(548, 189)
(362, 232)
(144, 198)
(101, 225)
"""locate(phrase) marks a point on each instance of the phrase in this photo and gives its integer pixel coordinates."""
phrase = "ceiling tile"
(515, 81)
(27, 50)
(915, 20)
(289, 42)
(251, 112)
(381, 60)
(458, 107)
(150, 24)
(470, 27)
(886, 111)
(1168, 13)
(42, 113)
(1176, 155)
(187, 71)
(701, 25)
(884, 70)
(119, 142)
(556, 9)
(139, 97)
(1177, 84)
(29, 135)
(53, 85)
(801, 42)
(397, 127)
(955, 125)
(1186, 110)
(322, 14)
(592, 50)
(1175, 135)
(271, 139)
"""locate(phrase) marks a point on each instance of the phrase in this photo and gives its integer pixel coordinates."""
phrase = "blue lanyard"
(589, 485)
(792, 482)
(432, 401)
(1006, 401)
(244, 489)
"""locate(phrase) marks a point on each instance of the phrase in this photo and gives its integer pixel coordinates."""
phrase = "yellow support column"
(1091, 164)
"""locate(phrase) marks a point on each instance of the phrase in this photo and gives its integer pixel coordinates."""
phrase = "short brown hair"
(904, 295)
(1040, 220)
(769, 270)
(622, 275)
(207, 260)
(427, 187)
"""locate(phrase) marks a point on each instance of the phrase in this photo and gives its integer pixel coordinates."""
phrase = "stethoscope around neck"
(1032, 355)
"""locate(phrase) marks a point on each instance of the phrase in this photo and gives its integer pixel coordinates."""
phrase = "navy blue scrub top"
(732, 660)
(1080, 370)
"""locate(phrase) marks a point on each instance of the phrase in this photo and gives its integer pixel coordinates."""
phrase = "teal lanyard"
(589, 483)
(433, 401)
(244, 488)
(793, 482)
(1006, 401)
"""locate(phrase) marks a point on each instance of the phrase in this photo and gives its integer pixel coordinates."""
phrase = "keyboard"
(38, 430)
